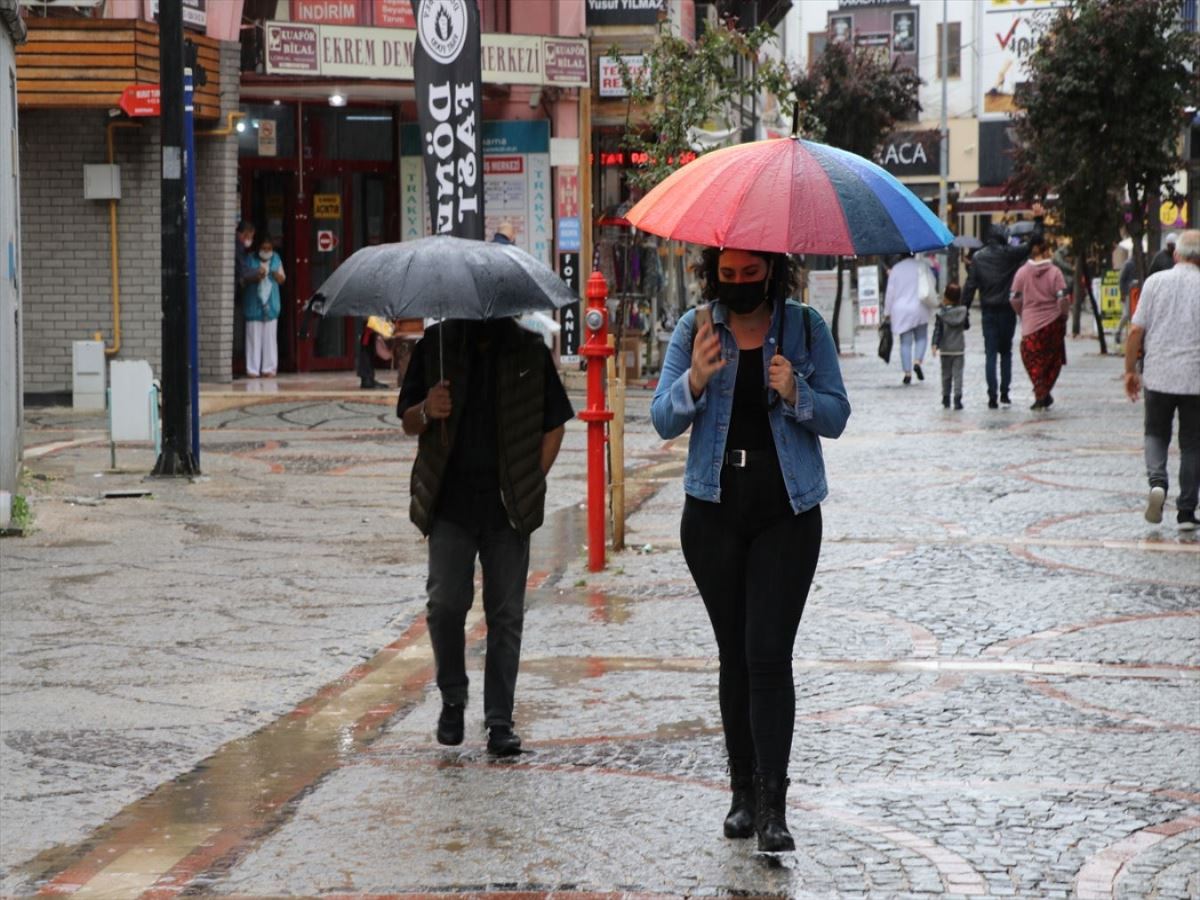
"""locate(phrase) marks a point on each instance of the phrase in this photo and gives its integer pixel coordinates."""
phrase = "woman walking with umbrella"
(757, 379)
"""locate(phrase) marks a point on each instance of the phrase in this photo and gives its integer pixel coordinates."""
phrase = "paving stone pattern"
(997, 674)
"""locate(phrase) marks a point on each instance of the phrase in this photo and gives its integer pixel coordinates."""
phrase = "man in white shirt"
(1167, 326)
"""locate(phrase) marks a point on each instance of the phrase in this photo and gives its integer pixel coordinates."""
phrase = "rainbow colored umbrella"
(789, 196)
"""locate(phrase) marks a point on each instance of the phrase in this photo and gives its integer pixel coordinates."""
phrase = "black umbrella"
(441, 277)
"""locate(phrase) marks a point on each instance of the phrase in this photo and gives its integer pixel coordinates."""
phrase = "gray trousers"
(1160, 416)
(952, 373)
(504, 557)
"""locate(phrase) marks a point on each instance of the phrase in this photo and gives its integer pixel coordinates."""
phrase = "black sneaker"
(503, 741)
(945, 402)
(450, 725)
(958, 403)
(919, 373)
(1004, 399)
(1186, 519)
(992, 404)
(908, 379)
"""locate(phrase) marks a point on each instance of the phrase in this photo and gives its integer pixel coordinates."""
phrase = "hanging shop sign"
(624, 12)
(516, 184)
(911, 153)
(608, 75)
(348, 51)
(380, 13)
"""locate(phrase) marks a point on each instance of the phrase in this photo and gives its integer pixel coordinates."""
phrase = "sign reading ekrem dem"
(350, 51)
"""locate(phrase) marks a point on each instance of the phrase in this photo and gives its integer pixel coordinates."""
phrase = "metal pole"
(944, 169)
(175, 459)
(192, 303)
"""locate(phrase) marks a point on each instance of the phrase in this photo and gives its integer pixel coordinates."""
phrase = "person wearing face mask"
(261, 304)
(756, 377)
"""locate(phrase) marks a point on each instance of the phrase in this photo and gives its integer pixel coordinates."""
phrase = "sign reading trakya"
(348, 51)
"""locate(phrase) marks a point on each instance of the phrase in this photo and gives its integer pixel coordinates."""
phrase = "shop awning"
(992, 199)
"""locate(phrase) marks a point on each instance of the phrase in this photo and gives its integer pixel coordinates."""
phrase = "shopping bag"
(885, 341)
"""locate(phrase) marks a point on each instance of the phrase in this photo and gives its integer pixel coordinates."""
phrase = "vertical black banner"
(568, 316)
(449, 84)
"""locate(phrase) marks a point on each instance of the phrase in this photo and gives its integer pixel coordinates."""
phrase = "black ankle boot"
(770, 820)
(740, 821)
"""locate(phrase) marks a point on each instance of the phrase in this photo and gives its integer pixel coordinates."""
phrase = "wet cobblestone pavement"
(224, 689)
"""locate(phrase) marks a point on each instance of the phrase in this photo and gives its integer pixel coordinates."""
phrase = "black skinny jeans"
(753, 561)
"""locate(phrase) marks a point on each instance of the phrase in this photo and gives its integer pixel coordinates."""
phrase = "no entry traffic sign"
(141, 100)
(326, 241)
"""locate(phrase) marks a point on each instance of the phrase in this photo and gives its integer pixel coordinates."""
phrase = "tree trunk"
(837, 307)
(1081, 267)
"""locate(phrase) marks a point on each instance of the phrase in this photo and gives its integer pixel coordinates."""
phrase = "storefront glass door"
(344, 199)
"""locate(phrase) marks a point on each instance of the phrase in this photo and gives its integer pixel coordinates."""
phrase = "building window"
(954, 56)
(816, 45)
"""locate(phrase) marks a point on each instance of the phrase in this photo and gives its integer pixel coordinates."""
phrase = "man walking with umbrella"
(486, 401)
(991, 276)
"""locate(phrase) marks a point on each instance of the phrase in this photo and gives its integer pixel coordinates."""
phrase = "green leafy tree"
(1102, 113)
(852, 98)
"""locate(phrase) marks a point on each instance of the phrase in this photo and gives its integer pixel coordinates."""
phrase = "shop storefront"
(338, 166)
(321, 182)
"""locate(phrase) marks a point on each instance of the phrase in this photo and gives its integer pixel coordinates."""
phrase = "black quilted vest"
(520, 393)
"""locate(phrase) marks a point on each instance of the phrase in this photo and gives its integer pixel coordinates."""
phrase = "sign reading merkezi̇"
(449, 87)
(350, 51)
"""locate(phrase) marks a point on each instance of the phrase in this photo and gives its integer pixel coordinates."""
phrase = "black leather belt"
(741, 459)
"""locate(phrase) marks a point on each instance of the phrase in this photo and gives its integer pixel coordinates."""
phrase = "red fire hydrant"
(595, 349)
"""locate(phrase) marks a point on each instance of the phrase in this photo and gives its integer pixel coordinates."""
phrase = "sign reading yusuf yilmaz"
(448, 77)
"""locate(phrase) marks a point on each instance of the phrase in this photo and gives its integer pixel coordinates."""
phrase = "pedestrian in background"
(990, 276)
(1164, 258)
(904, 305)
(261, 305)
(1166, 331)
(489, 431)
(1039, 298)
(1127, 283)
(758, 381)
(950, 341)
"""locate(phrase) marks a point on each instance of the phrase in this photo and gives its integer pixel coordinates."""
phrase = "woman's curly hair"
(786, 273)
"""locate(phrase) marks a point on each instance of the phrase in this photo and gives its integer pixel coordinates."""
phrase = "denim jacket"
(821, 408)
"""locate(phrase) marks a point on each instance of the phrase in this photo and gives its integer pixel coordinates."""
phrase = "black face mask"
(742, 297)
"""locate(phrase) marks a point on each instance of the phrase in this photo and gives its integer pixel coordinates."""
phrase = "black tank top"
(749, 427)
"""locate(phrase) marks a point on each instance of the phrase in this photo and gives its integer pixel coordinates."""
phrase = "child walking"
(948, 339)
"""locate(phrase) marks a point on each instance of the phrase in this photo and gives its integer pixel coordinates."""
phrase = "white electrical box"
(88, 375)
(134, 401)
(101, 182)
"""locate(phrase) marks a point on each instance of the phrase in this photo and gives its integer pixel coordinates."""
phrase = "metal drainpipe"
(114, 245)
